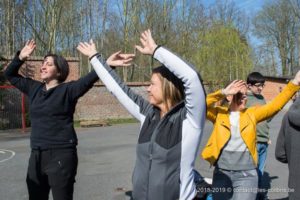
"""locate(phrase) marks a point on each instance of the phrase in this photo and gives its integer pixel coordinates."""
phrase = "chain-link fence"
(12, 108)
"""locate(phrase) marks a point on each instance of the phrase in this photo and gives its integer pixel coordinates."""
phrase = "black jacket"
(51, 111)
(288, 147)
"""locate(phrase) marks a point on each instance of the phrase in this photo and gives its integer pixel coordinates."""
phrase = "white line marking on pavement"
(8, 152)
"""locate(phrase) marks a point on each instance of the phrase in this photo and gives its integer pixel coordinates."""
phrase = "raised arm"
(79, 87)
(268, 110)
(194, 90)
(134, 103)
(233, 88)
(211, 99)
(11, 72)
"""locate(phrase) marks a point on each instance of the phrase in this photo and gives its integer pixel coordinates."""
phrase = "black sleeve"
(78, 88)
(20, 82)
(280, 151)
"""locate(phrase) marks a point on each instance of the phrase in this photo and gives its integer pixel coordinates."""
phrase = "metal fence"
(12, 108)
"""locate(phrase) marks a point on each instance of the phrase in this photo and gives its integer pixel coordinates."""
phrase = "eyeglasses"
(262, 85)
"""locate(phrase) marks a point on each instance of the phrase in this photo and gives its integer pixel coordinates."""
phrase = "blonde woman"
(171, 120)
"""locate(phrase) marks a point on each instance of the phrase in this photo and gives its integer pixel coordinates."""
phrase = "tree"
(227, 13)
(223, 53)
(276, 23)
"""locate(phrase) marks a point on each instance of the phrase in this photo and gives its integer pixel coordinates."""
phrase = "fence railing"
(12, 108)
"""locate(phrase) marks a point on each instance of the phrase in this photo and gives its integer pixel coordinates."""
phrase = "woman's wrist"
(21, 58)
(155, 48)
(295, 82)
(223, 92)
(93, 55)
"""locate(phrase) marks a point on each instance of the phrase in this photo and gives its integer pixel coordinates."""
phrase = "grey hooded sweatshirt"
(288, 147)
(168, 146)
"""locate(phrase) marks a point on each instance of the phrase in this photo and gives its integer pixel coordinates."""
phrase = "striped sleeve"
(194, 90)
(135, 104)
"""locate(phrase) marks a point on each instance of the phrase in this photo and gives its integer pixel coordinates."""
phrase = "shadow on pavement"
(129, 194)
(266, 184)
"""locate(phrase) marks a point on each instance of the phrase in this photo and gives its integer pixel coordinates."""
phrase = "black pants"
(53, 169)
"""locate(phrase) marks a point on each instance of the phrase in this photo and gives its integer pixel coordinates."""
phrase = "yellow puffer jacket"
(249, 117)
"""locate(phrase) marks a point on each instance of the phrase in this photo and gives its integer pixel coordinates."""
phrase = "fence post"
(23, 113)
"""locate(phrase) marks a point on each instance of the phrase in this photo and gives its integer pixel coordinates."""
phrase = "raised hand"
(296, 79)
(87, 48)
(27, 50)
(119, 59)
(234, 87)
(148, 44)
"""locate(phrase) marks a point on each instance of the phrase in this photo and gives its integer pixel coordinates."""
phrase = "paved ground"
(106, 160)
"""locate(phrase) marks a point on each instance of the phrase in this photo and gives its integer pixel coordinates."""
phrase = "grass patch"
(112, 121)
(76, 124)
(121, 121)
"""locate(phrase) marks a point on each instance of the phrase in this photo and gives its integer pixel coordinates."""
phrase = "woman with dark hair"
(171, 120)
(53, 160)
(231, 147)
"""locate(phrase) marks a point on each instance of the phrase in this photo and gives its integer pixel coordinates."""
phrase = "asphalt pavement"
(106, 161)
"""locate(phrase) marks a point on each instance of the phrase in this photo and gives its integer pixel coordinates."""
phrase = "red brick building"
(273, 86)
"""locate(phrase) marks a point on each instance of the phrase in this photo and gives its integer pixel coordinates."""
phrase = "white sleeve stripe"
(194, 91)
(115, 88)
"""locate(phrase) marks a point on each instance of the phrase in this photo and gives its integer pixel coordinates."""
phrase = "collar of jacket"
(174, 109)
(220, 137)
(244, 119)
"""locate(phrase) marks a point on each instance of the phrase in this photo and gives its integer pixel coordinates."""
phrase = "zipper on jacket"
(150, 164)
(152, 140)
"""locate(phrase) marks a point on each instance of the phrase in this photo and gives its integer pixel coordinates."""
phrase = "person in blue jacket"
(172, 120)
(53, 160)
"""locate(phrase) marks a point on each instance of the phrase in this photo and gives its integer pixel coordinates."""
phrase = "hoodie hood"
(294, 113)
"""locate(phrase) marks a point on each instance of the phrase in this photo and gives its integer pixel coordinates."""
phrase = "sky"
(250, 7)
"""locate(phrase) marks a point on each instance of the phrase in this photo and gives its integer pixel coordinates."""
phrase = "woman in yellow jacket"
(231, 147)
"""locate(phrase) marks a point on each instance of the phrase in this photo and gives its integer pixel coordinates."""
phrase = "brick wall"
(31, 68)
(99, 103)
(272, 89)
(273, 86)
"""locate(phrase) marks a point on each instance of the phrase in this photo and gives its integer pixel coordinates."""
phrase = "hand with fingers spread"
(27, 50)
(234, 87)
(119, 59)
(87, 48)
(148, 44)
